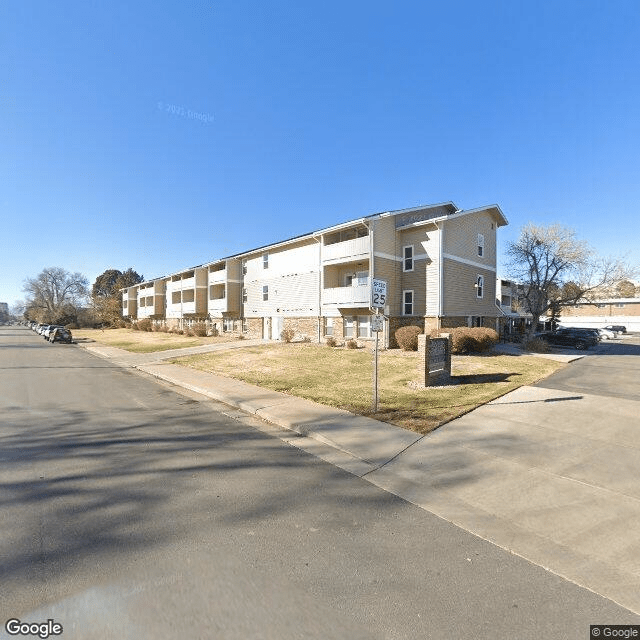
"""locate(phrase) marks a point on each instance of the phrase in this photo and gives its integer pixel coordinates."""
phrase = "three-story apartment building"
(439, 263)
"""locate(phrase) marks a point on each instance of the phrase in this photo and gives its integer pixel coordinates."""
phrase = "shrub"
(189, 331)
(536, 345)
(331, 341)
(213, 332)
(134, 326)
(144, 324)
(407, 337)
(352, 344)
(287, 335)
(199, 329)
(474, 340)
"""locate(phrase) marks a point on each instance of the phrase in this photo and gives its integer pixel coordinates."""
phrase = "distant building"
(600, 313)
(4, 311)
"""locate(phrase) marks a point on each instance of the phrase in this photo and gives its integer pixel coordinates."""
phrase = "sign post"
(378, 301)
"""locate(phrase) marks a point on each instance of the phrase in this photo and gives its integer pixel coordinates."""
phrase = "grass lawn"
(143, 341)
(343, 378)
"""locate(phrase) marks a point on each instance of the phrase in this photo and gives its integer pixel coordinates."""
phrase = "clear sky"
(161, 135)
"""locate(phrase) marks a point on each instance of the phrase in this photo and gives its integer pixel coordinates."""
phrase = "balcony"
(359, 296)
(218, 277)
(218, 305)
(356, 249)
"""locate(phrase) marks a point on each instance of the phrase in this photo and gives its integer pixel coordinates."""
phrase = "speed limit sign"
(378, 294)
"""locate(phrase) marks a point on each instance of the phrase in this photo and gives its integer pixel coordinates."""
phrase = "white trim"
(479, 286)
(469, 262)
(388, 256)
(404, 258)
(412, 302)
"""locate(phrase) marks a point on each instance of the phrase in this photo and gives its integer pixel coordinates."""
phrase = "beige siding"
(460, 297)
(461, 238)
(432, 275)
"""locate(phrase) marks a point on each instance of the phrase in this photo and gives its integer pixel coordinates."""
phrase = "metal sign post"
(378, 301)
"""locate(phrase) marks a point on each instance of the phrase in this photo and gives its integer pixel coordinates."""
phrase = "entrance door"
(276, 327)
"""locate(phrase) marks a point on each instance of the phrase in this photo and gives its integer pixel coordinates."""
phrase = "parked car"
(617, 328)
(606, 334)
(48, 329)
(570, 337)
(60, 334)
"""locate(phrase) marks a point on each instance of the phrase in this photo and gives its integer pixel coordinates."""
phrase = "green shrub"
(473, 340)
(331, 341)
(287, 335)
(407, 337)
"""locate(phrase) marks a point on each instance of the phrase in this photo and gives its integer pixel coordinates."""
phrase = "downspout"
(440, 274)
(320, 286)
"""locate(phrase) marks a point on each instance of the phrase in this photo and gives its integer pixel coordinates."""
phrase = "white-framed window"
(619, 305)
(480, 245)
(244, 294)
(227, 324)
(265, 260)
(407, 303)
(480, 286)
(328, 326)
(407, 258)
(364, 326)
(245, 325)
(244, 267)
(349, 323)
(265, 292)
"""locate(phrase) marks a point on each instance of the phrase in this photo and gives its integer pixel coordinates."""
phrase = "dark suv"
(570, 337)
(617, 328)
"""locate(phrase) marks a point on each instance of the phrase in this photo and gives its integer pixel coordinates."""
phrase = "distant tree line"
(58, 296)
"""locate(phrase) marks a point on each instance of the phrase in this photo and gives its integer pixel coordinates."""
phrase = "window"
(480, 286)
(265, 260)
(328, 326)
(245, 325)
(244, 267)
(227, 324)
(619, 305)
(480, 245)
(244, 294)
(348, 326)
(407, 258)
(362, 278)
(265, 292)
(407, 303)
(364, 326)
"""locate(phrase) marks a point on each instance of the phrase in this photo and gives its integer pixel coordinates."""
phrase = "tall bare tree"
(557, 269)
(55, 295)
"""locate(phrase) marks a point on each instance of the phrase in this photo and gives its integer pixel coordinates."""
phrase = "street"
(130, 510)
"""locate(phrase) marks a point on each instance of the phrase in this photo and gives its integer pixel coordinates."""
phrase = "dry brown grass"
(144, 341)
(343, 378)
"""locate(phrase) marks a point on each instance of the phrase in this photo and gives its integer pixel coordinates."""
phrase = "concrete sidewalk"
(549, 475)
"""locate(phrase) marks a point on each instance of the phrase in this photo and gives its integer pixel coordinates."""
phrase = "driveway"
(549, 472)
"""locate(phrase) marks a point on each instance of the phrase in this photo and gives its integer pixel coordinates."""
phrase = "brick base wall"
(303, 328)
(403, 321)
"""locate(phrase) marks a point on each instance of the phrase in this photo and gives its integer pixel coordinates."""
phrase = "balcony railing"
(347, 250)
(351, 296)
(218, 277)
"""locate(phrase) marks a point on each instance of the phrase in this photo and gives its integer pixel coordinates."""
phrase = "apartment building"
(438, 262)
(516, 318)
(600, 313)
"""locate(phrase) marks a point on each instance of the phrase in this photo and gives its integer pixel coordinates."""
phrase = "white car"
(606, 334)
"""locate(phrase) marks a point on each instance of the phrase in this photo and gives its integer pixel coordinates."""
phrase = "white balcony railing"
(218, 305)
(351, 296)
(349, 249)
(218, 277)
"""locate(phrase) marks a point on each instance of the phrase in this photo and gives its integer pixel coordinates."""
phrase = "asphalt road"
(128, 510)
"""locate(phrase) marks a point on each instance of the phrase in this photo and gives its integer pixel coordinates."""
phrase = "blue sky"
(161, 135)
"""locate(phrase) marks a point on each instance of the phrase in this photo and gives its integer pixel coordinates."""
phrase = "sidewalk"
(546, 474)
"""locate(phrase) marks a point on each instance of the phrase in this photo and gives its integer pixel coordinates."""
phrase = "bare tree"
(55, 295)
(556, 269)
